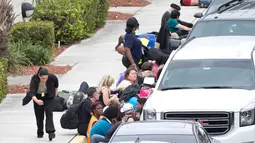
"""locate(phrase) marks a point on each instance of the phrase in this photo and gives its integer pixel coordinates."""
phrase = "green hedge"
(74, 19)
(102, 11)
(36, 32)
(3, 78)
(26, 54)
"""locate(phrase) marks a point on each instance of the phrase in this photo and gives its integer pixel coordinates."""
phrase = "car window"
(160, 138)
(203, 73)
(223, 28)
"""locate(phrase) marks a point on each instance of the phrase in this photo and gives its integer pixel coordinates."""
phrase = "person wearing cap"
(132, 45)
(126, 114)
(43, 88)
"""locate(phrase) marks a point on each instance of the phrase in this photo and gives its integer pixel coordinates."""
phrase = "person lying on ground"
(114, 101)
(189, 2)
(104, 89)
(146, 70)
(126, 114)
(85, 113)
(97, 112)
(130, 77)
(100, 129)
(139, 106)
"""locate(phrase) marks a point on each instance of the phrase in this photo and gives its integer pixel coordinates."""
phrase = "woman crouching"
(43, 87)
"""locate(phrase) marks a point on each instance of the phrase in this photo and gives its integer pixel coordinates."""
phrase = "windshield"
(208, 73)
(223, 28)
(156, 138)
(215, 5)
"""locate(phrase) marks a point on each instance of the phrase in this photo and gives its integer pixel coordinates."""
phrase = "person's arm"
(106, 96)
(87, 107)
(56, 83)
(183, 27)
(120, 41)
(32, 90)
(128, 46)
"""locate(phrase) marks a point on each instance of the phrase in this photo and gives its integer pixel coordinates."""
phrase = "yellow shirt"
(92, 122)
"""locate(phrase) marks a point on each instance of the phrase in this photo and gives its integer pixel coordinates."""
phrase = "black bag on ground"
(59, 104)
(156, 54)
(69, 119)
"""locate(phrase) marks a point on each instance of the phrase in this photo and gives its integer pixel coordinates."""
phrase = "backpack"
(69, 119)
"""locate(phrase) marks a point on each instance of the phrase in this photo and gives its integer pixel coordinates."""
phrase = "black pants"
(127, 63)
(39, 114)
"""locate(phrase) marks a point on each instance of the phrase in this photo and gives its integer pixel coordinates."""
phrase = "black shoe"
(51, 136)
(39, 136)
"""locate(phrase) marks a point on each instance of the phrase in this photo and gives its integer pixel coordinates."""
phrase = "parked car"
(210, 79)
(235, 18)
(161, 132)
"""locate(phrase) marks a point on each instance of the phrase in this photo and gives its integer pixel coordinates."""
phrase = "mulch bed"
(112, 15)
(15, 89)
(129, 3)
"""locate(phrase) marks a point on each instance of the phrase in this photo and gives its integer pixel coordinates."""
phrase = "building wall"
(17, 8)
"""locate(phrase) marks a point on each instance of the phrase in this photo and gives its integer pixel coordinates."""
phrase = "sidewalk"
(92, 59)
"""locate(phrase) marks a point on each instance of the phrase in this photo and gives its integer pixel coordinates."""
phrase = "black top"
(51, 85)
(84, 115)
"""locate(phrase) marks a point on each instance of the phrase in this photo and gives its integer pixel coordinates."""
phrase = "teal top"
(172, 23)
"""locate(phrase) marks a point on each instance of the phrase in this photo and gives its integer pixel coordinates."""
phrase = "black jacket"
(51, 84)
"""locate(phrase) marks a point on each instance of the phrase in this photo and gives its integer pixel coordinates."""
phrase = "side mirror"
(27, 10)
(175, 43)
(198, 15)
(150, 81)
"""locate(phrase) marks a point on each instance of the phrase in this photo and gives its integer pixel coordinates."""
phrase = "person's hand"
(121, 39)
(39, 102)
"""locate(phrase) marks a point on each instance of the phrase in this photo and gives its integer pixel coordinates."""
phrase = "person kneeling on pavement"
(100, 129)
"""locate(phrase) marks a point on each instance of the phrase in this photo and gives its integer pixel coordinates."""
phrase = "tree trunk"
(6, 21)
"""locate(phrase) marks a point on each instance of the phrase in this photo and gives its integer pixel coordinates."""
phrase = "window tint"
(223, 28)
(209, 73)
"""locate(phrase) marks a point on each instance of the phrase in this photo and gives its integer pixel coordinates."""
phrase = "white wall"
(17, 8)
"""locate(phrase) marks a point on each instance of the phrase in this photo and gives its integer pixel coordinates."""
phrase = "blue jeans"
(97, 139)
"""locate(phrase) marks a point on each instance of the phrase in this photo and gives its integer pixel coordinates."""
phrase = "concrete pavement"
(92, 59)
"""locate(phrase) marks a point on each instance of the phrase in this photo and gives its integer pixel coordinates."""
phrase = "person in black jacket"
(43, 88)
(84, 111)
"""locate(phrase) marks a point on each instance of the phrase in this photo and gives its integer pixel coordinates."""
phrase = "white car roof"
(220, 47)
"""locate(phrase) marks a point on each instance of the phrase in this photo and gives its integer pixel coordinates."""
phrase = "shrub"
(37, 32)
(74, 19)
(36, 54)
(16, 56)
(3, 78)
(27, 54)
(102, 11)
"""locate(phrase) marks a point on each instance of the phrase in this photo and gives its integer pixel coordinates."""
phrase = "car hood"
(200, 100)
